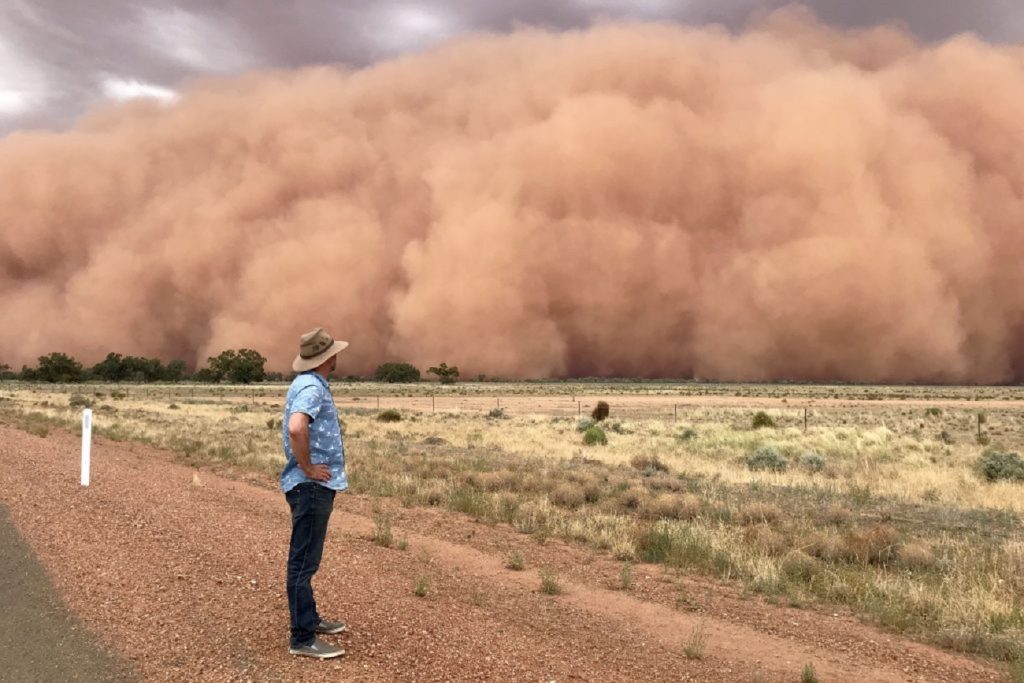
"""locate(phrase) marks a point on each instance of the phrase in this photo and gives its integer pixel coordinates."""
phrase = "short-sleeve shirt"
(310, 394)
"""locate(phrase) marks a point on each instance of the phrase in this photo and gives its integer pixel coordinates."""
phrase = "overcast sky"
(58, 57)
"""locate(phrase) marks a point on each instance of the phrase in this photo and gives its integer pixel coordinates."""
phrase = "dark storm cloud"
(59, 57)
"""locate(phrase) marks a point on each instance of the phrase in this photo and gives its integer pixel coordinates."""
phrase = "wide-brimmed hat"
(315, 347)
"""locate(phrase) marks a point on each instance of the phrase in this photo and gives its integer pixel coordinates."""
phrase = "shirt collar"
(318, 377)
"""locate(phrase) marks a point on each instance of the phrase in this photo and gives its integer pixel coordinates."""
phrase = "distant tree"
(110, 369)
(248, 367)
(219, 365)
(59, 367)
(28, 374)
(143, 369)
(205, 375)
(447, 375)
(6, 372)
(396, 372)
(175, 371)
(242, 366)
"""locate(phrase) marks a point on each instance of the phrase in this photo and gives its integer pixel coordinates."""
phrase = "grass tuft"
(694, 648)
(549, 583)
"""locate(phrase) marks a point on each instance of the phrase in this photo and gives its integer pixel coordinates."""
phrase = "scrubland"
(878, 506)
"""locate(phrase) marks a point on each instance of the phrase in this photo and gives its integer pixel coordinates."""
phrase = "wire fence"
(565, 402)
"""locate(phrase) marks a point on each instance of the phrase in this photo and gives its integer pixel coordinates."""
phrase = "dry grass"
(897, 524)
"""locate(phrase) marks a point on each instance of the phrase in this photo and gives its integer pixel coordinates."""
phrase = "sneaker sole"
(300, 653)
(332, 632)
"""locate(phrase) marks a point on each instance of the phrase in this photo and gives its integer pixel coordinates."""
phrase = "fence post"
(805, 418)
(675, 412)
(432, 410)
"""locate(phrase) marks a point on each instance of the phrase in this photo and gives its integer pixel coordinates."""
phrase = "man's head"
(318, 351)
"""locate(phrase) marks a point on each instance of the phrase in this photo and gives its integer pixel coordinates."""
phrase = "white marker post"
(86, 444)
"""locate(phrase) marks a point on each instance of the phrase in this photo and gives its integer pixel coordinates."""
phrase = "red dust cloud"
(636, 200)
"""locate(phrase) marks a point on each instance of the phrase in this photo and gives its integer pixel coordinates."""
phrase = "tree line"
(234, 365)
(240, 366)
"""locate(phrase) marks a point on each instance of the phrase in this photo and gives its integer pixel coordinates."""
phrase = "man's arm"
(298, 435)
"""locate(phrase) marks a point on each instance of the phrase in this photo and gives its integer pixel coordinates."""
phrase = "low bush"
(767, 459)
(762, 419)
(812, 462)
(584, 424)
(389, 415)
(687, 434)
(600, 411)
(595, 436)
(994, 465)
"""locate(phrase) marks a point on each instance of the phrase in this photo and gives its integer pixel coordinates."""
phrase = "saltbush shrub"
(994, 465)
(767, 459)
(812, 462)
(389, 415)
(595, 436)
(600, 411)
(584, 424)
(762, 419)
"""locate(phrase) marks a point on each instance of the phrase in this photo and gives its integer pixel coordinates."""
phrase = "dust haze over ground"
(791, 201)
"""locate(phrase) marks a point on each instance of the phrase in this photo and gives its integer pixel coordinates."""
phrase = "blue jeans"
(311, 506)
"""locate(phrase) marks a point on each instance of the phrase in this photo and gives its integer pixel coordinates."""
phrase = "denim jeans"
(311, 506)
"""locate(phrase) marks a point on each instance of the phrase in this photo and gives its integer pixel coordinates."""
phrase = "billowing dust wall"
(636, 200)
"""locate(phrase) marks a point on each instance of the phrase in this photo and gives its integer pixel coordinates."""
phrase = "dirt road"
(181, 571)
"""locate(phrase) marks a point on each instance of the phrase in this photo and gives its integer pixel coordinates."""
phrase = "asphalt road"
(40, 640)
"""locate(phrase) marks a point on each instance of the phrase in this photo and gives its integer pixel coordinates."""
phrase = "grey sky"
(58, 57)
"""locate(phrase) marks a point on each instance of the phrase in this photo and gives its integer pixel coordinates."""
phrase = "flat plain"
(871, 503)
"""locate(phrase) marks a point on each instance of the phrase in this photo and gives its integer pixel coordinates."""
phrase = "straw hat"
(315, 347)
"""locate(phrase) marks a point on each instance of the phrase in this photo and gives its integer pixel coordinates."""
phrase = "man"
(314, 471)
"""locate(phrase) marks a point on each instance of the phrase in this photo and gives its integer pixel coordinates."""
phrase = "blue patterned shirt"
(310, 394)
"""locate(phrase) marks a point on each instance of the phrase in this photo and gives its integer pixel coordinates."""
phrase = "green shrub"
(767, 458)
(994, 465)
(812, 462)
(584, 424)
(688, 434)
(762, 419)
(396, 372)
(595, 436)
(496, 413)
(933, 412)
(389, 415)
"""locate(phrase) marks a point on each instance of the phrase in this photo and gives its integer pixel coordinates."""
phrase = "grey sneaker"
(317, 649)
(331, 627)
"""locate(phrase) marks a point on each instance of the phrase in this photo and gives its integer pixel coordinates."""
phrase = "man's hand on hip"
(317, 472)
